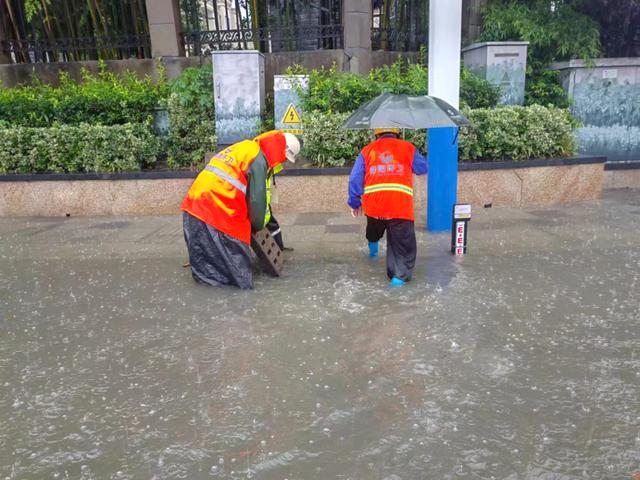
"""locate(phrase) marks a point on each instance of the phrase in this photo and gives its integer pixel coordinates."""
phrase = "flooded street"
(519, 361)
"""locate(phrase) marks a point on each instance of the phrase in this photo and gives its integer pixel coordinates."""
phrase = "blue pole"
(442, 183)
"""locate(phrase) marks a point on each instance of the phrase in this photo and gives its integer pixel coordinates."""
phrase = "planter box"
(509, 184)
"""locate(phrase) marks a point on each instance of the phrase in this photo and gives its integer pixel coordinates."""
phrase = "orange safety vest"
(218, 194)
(388, 179)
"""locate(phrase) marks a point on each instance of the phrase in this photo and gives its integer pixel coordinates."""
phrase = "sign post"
(445, 26)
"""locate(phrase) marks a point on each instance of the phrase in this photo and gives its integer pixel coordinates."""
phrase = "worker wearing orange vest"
(381, 185)
(226, 202)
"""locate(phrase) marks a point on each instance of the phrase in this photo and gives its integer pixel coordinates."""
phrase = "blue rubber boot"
(373, 249)
(396, 282)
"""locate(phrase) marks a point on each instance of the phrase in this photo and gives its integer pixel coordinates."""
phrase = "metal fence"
(77, 49)
(300, 38)
(73, 30)
(265, 25)
(399, 25)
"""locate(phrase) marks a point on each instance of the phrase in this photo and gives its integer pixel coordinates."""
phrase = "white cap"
(293, 147)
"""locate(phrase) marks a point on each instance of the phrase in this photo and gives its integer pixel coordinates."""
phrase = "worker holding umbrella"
(381, 186)
(381, 181)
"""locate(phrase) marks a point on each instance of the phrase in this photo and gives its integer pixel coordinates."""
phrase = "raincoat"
(225, 203)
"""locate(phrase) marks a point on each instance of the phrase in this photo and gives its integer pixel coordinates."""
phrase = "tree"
(555, 30)
(619, 22)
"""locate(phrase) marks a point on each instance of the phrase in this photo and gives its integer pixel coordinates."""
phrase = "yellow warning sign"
(291, 116)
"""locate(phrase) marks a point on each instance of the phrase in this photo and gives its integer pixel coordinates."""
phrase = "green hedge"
(518, 133)
(102, 99)
(504, 133)
(82, 148)
(331, 90)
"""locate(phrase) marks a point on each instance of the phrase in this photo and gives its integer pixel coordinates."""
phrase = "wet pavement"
(519, 361)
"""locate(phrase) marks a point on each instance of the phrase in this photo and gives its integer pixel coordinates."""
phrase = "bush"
(334, 91)
(543, 87)
(102, 99)
(504, 133)
(82, 148)
(191, 118)
(328, 145)
(517, 133)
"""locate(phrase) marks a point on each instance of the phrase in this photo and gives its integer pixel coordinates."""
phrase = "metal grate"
(303, 37)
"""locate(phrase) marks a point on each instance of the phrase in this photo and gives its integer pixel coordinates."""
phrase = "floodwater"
(519, 361)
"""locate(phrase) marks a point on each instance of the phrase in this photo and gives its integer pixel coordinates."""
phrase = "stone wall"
(275, 64)
(11, 75)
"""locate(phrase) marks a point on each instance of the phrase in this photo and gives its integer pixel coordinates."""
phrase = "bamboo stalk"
(15, 27)
(70, 29)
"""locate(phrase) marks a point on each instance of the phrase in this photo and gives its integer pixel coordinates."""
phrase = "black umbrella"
(402, 111)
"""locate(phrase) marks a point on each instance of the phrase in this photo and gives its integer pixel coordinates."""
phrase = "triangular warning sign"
(291, 116)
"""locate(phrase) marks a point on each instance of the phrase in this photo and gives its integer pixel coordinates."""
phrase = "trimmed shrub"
(102, 99)
(504, 133)
(82, 148)
(328, 145)
(191, 118)
(517, 133)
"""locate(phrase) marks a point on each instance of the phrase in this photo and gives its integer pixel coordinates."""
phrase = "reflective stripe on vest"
(389, 187)
(228, 178)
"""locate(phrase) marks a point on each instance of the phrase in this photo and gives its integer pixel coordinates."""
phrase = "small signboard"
(462, 211)
(287, 102)
(461, 218)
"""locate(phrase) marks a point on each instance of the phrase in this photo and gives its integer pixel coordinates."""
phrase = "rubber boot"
(373, 249)
(396, 282)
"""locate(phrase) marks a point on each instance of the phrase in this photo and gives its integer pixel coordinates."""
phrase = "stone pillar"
(164, 28)
(356, 21)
